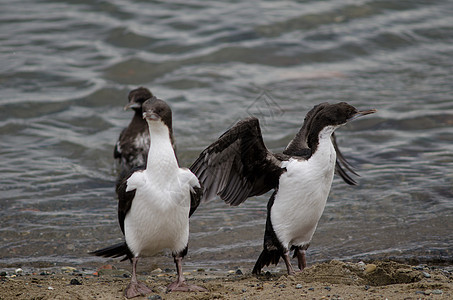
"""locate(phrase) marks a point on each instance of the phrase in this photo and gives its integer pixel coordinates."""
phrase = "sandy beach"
(328, 280)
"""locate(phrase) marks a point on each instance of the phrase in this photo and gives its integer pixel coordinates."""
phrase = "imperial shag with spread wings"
(238, 166)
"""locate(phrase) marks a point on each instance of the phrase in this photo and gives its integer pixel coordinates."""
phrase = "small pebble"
(106, 267)
(154, 297)
(68, 269)
(370, 268)
(426, 275)
(156, 271)
(231, 272)
(18, 271)
(244, 290)
(427, 292)
(3, 274)
(50, 288)
(282, 286)
(437, 292)
(328, 288)
(311, 289)
(75, 282)
(160, 289)
(367, 287)
(299, 286)
(239, 272)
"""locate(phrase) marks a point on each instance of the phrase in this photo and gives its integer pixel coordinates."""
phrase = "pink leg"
(135, 288)
(289, 267)
(180, 283)
(301, 261)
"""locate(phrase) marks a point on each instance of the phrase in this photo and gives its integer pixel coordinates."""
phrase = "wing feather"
(237, 165)
(125, 197)
(195, 198)
(341, 164)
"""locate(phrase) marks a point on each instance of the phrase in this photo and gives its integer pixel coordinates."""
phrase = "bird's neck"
(298, 146)
(320, 136)
(323, 151)
(161, 153)
(138, 117)
(307, 141)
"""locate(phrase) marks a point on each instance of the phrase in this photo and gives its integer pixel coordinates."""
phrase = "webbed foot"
(135, 289)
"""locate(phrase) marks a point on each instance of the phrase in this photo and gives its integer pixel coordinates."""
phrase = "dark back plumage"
(132, 147)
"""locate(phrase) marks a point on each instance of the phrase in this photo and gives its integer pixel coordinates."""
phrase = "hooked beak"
(362, 113)
(132, 105)
(149, 115)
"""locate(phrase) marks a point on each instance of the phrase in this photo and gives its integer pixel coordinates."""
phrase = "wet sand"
(329, 280)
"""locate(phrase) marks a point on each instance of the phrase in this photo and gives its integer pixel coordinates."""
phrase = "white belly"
(159, 217)
(301, 197)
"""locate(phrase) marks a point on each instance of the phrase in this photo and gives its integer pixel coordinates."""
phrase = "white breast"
(302, 195)
(159, 215)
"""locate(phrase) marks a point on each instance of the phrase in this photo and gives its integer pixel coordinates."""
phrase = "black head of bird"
(137, 97)
(157, 110)
(336, 114)
(327, 115)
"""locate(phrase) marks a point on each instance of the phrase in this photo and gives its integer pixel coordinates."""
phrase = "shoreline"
(327, 280)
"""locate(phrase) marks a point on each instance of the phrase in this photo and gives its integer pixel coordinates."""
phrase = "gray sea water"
(66, 68)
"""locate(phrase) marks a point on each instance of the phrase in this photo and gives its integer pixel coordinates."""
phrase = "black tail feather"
(266, 258)
(116, 250)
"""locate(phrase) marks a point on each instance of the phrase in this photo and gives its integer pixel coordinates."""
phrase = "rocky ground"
(329, 280)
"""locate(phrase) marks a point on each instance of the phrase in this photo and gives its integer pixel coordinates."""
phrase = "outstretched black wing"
(238, 165)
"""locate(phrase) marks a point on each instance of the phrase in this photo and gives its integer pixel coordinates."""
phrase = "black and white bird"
(238, 166)
(155, 203)
(132, 147)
